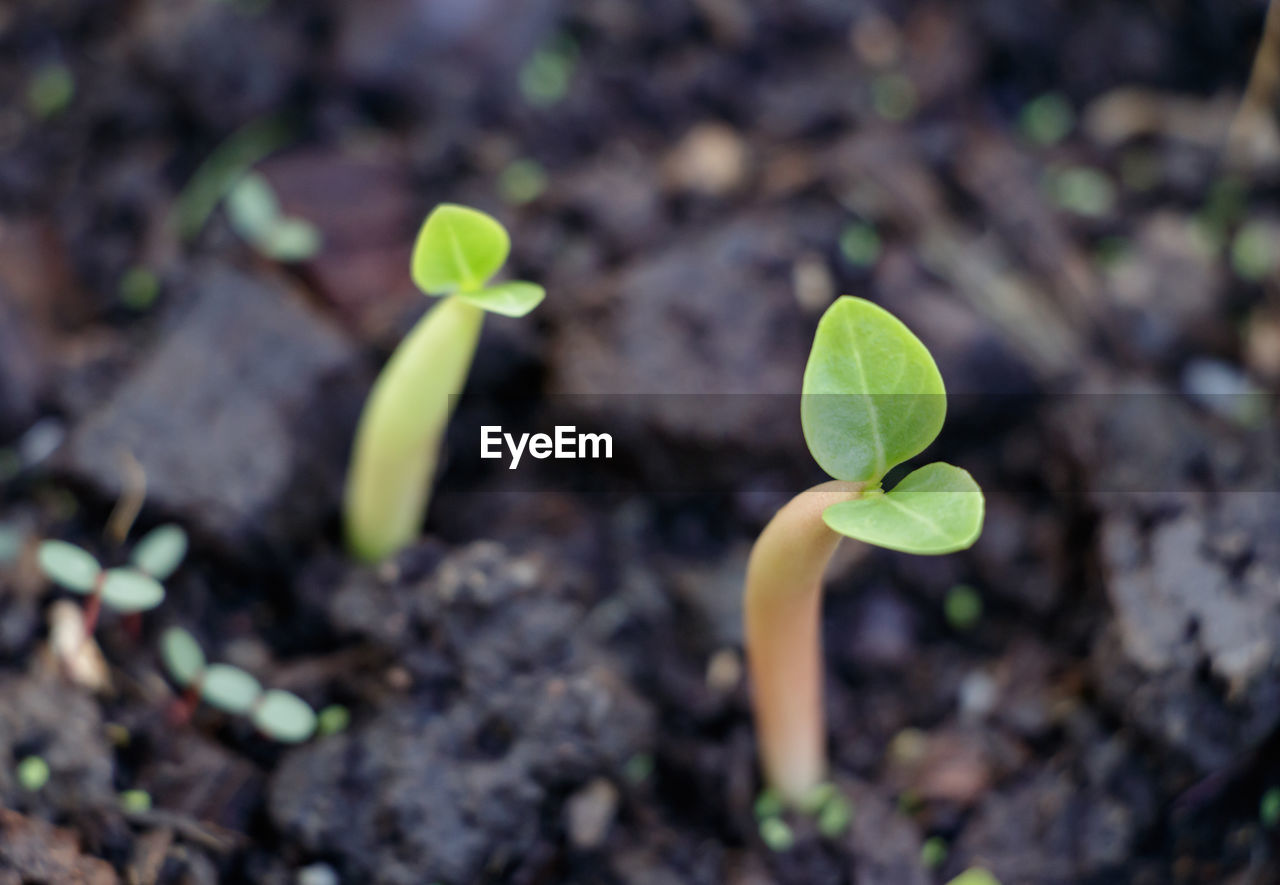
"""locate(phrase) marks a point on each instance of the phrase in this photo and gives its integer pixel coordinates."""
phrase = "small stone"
(724, 671)
(318, 874)
(239, 417)
(590, 812)
(711, 159)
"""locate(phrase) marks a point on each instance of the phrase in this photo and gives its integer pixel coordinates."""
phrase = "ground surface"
(548, 688)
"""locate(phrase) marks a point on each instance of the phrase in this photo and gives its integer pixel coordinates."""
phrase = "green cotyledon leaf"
(513, 299)
(872, 394)
(936, 509)
(458, 249)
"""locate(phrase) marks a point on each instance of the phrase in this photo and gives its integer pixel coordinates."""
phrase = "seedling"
(975, 876)
(128, 590)
(280, 715)
(33, 773)
(397, 443)
(872, 399)
(255, 215)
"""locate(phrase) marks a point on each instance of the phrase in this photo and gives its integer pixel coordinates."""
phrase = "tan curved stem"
(782, 610)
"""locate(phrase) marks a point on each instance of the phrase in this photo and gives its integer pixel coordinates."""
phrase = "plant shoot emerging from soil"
(280, 715)
(398, 440)
(126, 590)
(872, 399)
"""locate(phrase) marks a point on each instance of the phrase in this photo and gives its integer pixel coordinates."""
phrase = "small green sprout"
(50, 90)
(160, 551)
(544, 78)
(933, 853)
(255, 215)
(860, 245)
(1083, 190)
(523, 181)
(280, 715)
(963, 607)
(894, 96)
(1048, 119)
(975, 876)
(1253, 250)
(872, 399)
(125, 590)
(1269, 808)
(835, 817)
(333, 719)
(139, 288)
(222, 170)
(638, 768)
(135, 801)
(776, 834)
(129, 590)
(33, 774)
(398, 439)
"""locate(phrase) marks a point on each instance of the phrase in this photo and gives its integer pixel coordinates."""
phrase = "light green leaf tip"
(160, 551)
(68, 566)
(975, 876)
(128, 590)
(252, 207)
(458, 249)
(872, 395)
(513, 299)
(229, 688)
(285, 717)
(936, 509)
(182, 656)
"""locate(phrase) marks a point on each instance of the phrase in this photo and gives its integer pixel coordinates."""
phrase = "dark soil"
(548, 688)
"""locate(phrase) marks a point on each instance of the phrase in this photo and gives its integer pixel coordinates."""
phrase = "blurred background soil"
(549, 688)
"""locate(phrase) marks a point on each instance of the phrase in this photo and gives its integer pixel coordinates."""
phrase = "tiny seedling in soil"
(280, 715)
(975, 876)
(872, 399)
(397, 443)
(256, 216)
(33, 773)
(127, 590)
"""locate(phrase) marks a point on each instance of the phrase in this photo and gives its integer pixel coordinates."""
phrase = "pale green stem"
(397, 444)
(782, 609)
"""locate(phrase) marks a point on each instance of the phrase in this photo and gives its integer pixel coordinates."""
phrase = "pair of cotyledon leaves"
(280, 715)
(872, 399)
(127, 590)
(458, 249)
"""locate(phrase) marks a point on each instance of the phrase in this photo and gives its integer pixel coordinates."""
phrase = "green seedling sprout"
(397, 443)
(255, 215)
(128, 590)
(280, 715)
(33, 773)
(125, 590)
(872, 399)
(975, 876)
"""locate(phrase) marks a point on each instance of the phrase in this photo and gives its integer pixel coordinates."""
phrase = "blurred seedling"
(50, 90)
(1082, 190)
(127, 590)
(221, 171)
(544, 78)
(255, 214)
(397, 444)
(1048, 119)
(279, 715)
(1269, 808)
(975, 876)
(872, 399)
(33, 773)
(522, 181)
